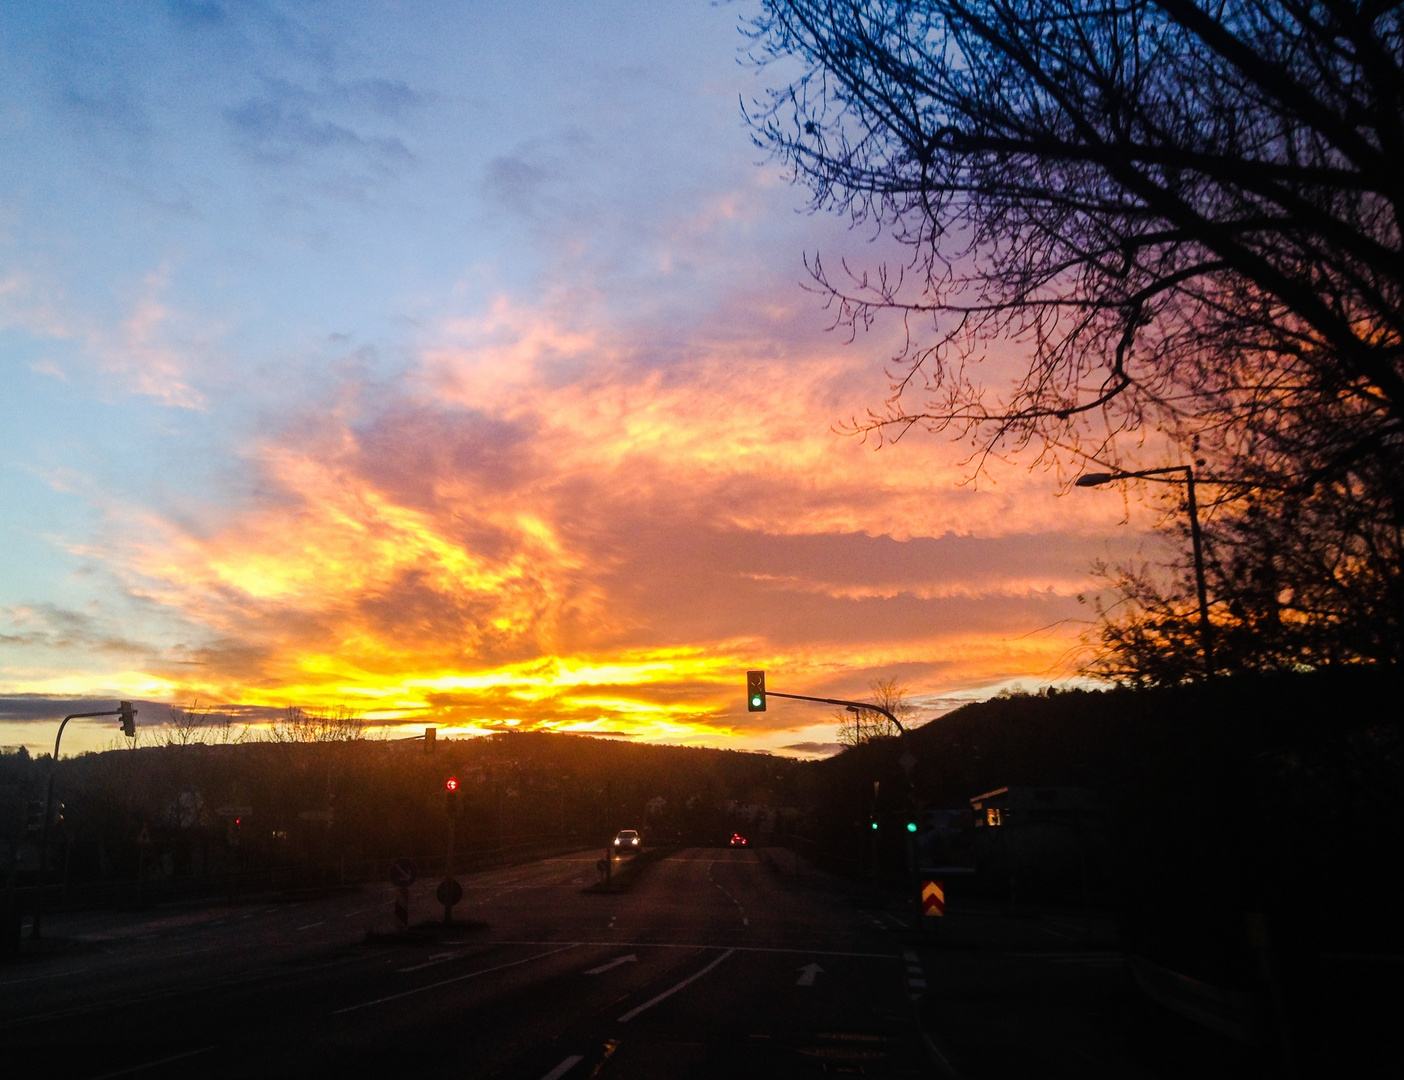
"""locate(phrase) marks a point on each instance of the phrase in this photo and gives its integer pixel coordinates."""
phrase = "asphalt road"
(716, 963)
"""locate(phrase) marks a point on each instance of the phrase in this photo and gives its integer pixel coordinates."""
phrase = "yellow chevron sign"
(933, 898)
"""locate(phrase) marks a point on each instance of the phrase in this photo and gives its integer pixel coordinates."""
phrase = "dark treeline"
(1281, 795)
(200, 811)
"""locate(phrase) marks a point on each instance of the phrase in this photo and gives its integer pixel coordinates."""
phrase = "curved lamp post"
(1206, 630)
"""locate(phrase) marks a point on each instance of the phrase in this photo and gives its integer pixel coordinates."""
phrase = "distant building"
(1038, 840)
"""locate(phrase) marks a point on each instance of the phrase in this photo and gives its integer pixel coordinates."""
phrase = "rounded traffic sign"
(403, 872)
(449, 892)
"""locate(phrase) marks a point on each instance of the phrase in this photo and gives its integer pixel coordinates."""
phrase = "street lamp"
(128, 714)
(1206, 631)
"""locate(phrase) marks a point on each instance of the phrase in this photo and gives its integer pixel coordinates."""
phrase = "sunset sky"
(450, 363)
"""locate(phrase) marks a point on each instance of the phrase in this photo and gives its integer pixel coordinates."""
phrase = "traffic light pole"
(124, 712)
(907, 764)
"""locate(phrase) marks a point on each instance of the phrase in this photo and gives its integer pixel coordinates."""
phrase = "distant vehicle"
(626, 841)
(737, 840)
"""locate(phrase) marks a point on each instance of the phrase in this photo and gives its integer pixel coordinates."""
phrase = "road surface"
(716, 963)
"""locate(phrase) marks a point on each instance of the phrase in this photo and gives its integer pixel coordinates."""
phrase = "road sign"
(449, 892)
(402, 907)
(403, 873)
(933, 897)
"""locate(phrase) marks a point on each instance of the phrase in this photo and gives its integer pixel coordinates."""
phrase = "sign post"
(449, 893)
(403, 873)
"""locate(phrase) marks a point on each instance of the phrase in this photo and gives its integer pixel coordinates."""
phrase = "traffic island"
(622, 875)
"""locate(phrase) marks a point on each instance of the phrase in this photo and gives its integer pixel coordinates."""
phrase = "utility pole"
(1206, 628)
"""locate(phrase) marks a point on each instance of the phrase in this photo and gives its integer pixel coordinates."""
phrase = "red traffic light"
(451, 784)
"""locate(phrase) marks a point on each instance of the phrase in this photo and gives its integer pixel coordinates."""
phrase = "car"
(627, 842)
(737, 840)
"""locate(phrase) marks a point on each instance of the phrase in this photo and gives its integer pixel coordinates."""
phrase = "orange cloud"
(556, 527)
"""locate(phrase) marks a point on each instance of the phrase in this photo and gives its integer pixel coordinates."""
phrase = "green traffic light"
(873, 826)
(757, 701)
(911, 826)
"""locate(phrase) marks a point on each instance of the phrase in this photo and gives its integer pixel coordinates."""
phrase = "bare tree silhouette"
(1187, 214)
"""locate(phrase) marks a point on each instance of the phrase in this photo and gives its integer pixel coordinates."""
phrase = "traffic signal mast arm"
(845, 704)
(128, 714)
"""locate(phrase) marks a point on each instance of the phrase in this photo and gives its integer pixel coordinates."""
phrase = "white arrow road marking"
(630, 959)
(807, 974)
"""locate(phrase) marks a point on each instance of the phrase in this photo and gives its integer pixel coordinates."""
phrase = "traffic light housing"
(127, 715)
(451, 796)
(755, 691)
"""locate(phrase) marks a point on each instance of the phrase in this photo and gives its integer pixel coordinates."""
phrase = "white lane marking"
(36, 978)
(917, 984)
(910, 957)
(152, 1064)
(807, 974)
(564, 1067)
(630, 959)
(669, 993)
(456, 978)
(695, 945)
(437, 958)
(309, 926)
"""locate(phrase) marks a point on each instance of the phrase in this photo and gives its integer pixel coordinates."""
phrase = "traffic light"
(128, 718)
(755, 691)
(911, 826)
(872, 825)
(451, 795)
